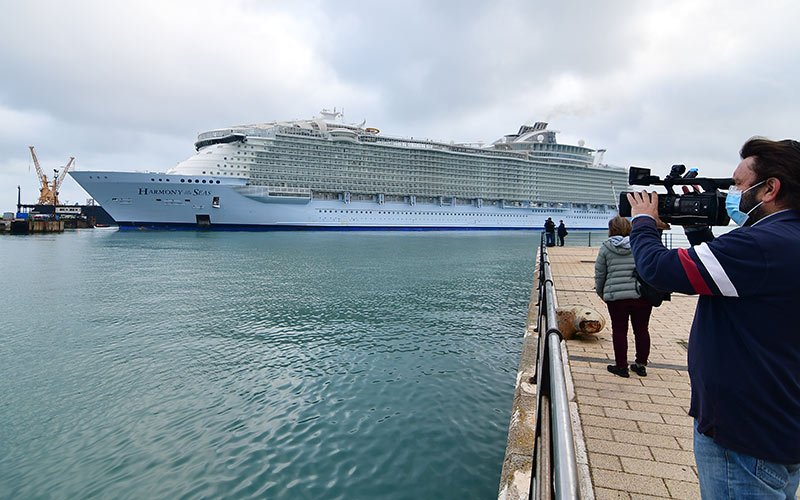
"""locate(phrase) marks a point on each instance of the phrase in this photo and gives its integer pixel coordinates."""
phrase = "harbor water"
(286, 365)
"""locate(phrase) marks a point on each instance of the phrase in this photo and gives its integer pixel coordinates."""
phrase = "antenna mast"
(614, 192)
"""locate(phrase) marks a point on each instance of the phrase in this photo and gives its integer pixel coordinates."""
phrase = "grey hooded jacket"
(613, 270)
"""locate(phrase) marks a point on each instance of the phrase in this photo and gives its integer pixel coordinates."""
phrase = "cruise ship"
(323, 173)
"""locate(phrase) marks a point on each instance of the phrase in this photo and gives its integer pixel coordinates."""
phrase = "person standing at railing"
(615, 283)
(744, 346)
(562, 232)
(550, 232)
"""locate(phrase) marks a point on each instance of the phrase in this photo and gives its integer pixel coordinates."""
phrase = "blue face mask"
(734, 199)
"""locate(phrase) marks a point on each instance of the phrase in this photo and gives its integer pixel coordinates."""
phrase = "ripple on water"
(281, 365)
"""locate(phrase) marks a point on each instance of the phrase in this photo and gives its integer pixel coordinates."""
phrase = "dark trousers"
(560, 240)
(638, 310)
(551, 239)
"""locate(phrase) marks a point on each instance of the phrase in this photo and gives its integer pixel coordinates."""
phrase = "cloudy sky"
(128, 85)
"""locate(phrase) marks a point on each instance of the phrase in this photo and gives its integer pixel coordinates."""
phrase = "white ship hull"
(169, 201)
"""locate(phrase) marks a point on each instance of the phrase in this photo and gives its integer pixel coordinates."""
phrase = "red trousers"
(638, 310)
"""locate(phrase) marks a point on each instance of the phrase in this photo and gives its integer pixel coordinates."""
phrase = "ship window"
(152, 180)
(204, 181)
(183, 180)
(197, 181)
(217, 182)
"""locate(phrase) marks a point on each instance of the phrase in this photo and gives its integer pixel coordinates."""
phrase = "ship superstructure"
(324, 173)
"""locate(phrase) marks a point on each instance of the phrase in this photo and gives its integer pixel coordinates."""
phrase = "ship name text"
(174, 192)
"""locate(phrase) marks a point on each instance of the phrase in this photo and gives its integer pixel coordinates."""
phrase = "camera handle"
(641, 177)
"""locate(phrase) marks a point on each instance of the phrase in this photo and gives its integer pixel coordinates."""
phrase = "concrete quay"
(633, 436)
(28, 226)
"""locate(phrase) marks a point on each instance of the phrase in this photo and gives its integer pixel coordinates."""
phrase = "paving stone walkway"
(637, 433)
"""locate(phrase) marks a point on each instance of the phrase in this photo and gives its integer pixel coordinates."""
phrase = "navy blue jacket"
(744, 346)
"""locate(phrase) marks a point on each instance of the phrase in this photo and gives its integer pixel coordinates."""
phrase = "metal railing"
(596, 237)
(555, 469)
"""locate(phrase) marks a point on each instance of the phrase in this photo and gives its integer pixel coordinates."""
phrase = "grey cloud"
(435, 60)
(127, 86)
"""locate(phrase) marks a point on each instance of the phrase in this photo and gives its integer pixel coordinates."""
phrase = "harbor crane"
(48, 192)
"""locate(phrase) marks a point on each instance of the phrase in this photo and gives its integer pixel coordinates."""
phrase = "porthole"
(197, 181)
(204, 181)
(217, 182)
(183, 180)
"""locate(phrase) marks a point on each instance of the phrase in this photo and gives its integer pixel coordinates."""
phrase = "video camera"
(706, 207)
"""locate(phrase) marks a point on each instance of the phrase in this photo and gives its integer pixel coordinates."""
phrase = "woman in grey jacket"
(615, 283)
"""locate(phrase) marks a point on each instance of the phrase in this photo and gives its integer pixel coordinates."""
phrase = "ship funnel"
(598, 157)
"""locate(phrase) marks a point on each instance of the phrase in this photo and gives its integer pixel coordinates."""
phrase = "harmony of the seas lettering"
(185, 192)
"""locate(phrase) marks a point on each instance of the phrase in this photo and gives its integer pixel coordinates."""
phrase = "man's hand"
(644, 203)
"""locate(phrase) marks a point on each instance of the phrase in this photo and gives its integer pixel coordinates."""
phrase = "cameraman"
(744, 346)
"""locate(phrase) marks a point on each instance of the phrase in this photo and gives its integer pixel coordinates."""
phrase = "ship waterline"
(324, 174)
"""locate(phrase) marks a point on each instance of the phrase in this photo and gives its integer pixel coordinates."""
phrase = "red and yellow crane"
(48, 192)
